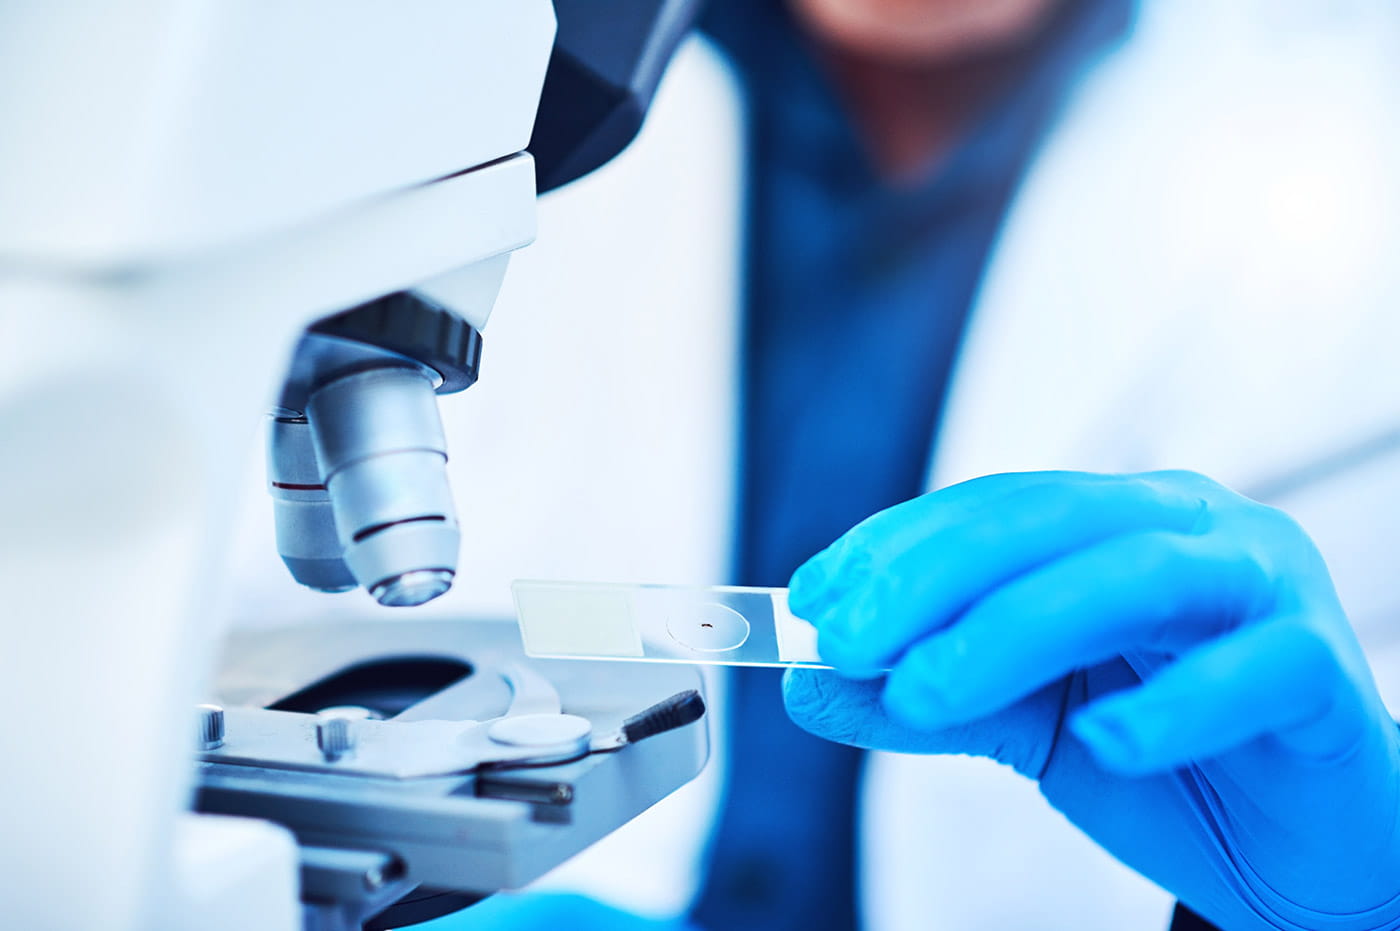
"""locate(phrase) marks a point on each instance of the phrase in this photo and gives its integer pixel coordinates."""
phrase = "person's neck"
(911, 117)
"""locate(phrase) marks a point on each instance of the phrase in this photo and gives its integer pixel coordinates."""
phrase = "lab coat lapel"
(1049, 355)
(1206, 290)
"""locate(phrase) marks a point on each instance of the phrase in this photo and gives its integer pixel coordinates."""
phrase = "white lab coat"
(1194, 275)
(1197, 274)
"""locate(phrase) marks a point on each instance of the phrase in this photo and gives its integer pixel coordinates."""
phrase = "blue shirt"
(856, 301)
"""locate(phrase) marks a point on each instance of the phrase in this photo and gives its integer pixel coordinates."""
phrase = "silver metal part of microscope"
(357, 470)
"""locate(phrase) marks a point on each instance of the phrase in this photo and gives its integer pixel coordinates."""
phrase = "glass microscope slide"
(723, 625)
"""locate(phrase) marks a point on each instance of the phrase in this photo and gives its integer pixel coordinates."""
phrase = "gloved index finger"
(1134, 592)
(897, 592)
(905, 524)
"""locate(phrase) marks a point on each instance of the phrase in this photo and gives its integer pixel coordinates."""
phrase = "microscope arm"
(356, 452)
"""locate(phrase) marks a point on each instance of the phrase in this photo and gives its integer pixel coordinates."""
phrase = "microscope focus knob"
(211, 727)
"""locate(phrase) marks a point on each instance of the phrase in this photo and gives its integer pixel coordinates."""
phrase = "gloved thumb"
(849, 711)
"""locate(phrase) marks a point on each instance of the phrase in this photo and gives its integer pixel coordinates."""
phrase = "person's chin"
(921, 31)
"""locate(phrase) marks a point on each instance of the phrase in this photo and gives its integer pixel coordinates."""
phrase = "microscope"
(208, 211)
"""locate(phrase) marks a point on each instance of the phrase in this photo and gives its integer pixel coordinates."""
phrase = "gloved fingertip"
(1111, 739)
(808, 700)
(801, 691)
(834, 708)
(796, 681)
(810, 586)
(847, 657)
(910, 702)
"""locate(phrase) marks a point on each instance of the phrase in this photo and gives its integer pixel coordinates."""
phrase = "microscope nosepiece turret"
(357, 456)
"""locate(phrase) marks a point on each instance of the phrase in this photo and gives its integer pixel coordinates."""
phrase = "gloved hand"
(547, 911)
(1167, 658)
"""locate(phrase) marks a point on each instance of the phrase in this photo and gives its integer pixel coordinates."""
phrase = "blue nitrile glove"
(1166, 657)
(548, 911)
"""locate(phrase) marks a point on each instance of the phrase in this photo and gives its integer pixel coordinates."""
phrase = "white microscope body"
(185, 185)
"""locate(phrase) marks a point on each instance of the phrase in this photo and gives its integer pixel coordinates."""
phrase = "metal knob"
(335, 737)
(211, 727)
